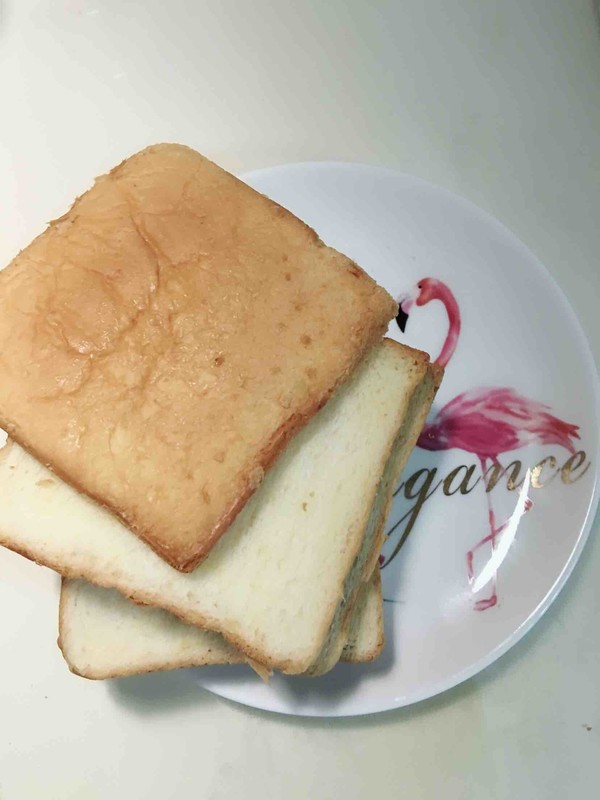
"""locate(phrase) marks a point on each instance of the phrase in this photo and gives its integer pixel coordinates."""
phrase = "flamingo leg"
(488, 602)
(495, 530)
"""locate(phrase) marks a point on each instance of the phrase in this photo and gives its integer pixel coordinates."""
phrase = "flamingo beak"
(402, 318)
(405, 305)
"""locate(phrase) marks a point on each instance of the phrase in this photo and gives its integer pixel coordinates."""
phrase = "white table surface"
(498, 101)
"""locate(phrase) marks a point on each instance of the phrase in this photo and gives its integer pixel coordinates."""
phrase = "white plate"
(517, 332)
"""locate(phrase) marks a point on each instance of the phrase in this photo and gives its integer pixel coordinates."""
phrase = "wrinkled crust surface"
(162, 341)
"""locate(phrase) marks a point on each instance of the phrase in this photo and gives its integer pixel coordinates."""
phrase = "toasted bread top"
(161, 342)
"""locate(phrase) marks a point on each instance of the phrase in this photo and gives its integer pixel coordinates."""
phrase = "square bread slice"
(164, 339)
(104, 635)
(293, 559)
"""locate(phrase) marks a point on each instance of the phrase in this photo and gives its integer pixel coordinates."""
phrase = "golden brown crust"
(165, 338)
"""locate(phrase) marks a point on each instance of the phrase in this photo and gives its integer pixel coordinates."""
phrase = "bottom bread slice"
(277, 580)
(104, 635)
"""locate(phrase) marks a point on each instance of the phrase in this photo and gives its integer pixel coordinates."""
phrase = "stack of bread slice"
(205, 426)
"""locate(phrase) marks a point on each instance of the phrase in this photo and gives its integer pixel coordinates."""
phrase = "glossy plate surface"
(471, 563)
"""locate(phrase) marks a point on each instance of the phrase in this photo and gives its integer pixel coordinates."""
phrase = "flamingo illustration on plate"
(486, 421)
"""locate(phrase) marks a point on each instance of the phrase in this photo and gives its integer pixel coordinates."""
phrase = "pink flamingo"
(486, 421)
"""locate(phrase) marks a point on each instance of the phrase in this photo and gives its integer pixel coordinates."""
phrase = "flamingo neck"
(439, 291)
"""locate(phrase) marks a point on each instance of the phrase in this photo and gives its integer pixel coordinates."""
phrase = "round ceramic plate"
(497, 500)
